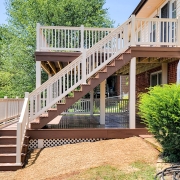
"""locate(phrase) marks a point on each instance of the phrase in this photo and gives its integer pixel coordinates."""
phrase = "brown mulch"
(66, 160)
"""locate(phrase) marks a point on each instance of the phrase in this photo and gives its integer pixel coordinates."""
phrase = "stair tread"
(44, 115)
(108, 65)
(9, 145)
(8, 137)
(77, 90)
(52, 109)
(11, 164)
(10, 154)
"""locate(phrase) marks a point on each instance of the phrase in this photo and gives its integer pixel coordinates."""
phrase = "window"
(174, 9)
(156, 78)
(153, 32)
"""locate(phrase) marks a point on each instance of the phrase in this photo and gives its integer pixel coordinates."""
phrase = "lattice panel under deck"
(60, 142)
(33, 144)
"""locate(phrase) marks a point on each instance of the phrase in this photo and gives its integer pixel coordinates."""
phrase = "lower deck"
(86, 126)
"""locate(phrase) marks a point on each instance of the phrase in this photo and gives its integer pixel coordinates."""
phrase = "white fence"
(10, 109)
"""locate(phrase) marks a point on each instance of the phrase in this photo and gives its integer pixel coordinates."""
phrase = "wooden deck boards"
(83, 126)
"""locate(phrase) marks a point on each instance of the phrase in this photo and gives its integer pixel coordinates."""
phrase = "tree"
(18, 39)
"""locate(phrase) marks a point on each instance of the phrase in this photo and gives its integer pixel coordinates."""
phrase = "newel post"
(133, 30)
(178, 32)
(38, 37)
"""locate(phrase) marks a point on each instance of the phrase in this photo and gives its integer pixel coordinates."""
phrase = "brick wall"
(143, 80)
(172, 69)
(124, 85)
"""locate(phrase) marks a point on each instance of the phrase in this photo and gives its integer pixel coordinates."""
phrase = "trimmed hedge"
(160, 110)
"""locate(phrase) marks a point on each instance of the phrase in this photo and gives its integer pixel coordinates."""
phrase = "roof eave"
(139, 6)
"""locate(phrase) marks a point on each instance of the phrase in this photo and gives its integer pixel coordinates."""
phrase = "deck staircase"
(92, 82)
(8, 150)
(84, 73)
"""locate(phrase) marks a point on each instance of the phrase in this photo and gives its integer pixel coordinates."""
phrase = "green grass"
(135, 171)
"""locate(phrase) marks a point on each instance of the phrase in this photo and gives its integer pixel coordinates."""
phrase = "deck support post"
(38, 74)
(91, 101)
(164, 73)
(102, 102)
(132, 94)
(40, 143)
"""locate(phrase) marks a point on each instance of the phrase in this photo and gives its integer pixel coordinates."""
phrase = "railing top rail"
(157, 19)
(11, 99)
(60, 27)
(77, 28)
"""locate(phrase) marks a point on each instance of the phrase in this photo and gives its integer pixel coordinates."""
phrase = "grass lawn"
(137, 170)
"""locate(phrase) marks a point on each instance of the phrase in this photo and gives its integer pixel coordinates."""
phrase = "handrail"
(21, 128)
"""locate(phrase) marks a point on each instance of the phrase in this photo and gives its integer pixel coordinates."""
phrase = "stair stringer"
(92, 82)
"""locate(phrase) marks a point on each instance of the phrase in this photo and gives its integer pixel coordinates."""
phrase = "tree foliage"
(18, 38)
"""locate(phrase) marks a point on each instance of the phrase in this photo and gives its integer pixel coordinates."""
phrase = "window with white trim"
(156, 78)
(174, 8)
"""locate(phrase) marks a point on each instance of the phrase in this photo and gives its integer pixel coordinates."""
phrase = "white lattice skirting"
(43, 143)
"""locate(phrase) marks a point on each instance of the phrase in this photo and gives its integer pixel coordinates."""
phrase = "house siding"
(178, 8)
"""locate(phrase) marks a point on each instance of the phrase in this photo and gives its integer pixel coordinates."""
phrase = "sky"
(119, 10)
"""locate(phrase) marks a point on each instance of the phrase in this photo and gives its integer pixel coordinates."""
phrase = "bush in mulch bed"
(160, 110)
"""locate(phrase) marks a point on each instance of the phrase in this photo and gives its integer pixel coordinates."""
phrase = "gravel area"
(70, 159)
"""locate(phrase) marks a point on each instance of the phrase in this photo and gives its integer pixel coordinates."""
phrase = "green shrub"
(160, 110)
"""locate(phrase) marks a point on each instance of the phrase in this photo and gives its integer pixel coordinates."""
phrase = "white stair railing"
(69, 38)
(78, 71)
(21, 128)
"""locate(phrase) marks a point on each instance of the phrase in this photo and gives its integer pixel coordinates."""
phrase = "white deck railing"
(112, 105)
(134, 31)
(155, 31)
(82, 106)
(10, 109)
(69, 38)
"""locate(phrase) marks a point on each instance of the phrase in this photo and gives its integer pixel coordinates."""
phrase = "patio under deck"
(87, 126)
